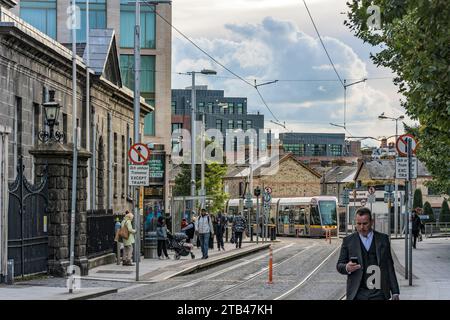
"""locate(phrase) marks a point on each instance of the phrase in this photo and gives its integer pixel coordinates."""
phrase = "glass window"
(219, 124)
(318, 149)
(315, 218)
(230, 124)
(249, 124)
(210, 107)
(335, 149)
(201, 107)
(149, 120)
(97, 17)
(176, 126)
(41, 14)
(128, 21)
(328, 212)
(174, 107)
(239, 124)
(231, 108)
(147, 74)
(240, 108)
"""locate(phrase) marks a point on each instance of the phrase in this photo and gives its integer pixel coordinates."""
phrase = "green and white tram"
(302, 216)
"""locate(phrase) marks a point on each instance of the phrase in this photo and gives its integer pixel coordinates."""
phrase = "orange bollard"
(270, 265)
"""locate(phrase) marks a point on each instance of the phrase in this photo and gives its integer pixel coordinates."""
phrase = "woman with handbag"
(128, 242)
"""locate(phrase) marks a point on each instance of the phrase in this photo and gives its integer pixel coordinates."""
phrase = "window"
(219, 124)
(41, 14)
(239, 124)
(318, 149)
(328, 212)
(115, 165)
(174, 107)
(210, 107)
(176, 126)
(231, 108)
(249, 124)
(128, 21)
(335, 149)
(124, 151)
(147, 74)
(201, 107)
(149, 121)
(240, 108)
(230, 124)
(296, 149)
(315, 217)
(97, 17)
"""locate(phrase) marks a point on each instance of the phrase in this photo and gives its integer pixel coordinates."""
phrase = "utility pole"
(75, 150)
(410, 173)
(137, 109)
(193, 135)
(202, 152)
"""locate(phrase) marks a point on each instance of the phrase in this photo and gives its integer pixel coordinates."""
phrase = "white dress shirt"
(367, 241)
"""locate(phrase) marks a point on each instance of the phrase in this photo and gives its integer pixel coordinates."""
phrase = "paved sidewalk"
(154, 270)
(430, 267)
(151, 270)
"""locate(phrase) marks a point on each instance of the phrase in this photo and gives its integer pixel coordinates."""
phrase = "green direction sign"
(156, 167)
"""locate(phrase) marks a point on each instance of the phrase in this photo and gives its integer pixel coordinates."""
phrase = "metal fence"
(100, 233)
(437, 229)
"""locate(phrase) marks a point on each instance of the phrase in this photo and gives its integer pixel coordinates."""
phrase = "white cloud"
(275, 49)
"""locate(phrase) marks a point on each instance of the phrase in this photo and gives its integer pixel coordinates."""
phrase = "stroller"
(177, 243)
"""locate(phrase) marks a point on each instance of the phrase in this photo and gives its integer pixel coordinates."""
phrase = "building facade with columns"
(31, 65)
(50, 17)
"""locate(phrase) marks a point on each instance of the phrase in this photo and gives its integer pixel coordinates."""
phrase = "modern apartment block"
(220, 112)
(50, 17)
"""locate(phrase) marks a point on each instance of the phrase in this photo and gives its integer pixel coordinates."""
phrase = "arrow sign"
(402, 145)
(138, 154)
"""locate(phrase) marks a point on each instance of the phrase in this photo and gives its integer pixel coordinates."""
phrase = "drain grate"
(115, 272)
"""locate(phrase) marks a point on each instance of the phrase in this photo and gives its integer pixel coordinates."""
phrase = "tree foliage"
(445, 212)
(417, 202)
(427, 210)
(414, 42)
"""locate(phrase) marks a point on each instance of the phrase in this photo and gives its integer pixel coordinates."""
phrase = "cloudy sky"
(275, 40)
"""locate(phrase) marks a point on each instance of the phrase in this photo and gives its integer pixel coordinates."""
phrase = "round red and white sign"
(371, 190)
(402, 145)
(139, 154)
(363, 202)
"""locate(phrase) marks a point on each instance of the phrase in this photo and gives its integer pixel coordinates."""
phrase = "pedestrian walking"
(239, 226)
(161, 236)
(416, 225)
(128, 243)
(205, 230)
(364, 249)
(219, 229)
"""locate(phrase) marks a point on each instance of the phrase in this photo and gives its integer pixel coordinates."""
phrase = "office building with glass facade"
(51, 16)
(314, 144)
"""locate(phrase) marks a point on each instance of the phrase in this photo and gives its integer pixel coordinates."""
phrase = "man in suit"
(372, 250)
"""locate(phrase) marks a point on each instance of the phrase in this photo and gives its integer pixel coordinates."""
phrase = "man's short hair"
(364, 211)
(203, 210)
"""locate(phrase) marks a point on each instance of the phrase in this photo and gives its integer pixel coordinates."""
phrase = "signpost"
(402, 170)
(363, 202)
(371, 198)
(267, 201)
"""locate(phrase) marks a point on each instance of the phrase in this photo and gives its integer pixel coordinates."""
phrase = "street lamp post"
(193, 106)
(383, 117)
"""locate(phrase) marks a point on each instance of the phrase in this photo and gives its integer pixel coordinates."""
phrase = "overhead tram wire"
(211, 57)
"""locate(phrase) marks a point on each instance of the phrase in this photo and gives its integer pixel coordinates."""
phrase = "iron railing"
(437, 229)
(100, 233)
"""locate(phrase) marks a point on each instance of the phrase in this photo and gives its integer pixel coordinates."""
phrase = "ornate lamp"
(51, 112)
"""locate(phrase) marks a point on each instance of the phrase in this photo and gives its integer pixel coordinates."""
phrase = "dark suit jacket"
(351, 247)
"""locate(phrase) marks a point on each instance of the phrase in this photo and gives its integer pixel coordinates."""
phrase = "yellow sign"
(141, 197)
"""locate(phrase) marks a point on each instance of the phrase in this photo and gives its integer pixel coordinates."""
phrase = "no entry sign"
(138, 154)
(402, 145)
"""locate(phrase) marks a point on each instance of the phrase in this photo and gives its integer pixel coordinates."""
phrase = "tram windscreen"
(328, 212)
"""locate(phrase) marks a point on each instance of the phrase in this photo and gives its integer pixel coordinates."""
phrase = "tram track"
(218, 273)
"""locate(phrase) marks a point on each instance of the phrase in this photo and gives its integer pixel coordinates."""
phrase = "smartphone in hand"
(354, 260)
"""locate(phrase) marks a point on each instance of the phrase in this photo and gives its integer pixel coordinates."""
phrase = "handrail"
(437, 228)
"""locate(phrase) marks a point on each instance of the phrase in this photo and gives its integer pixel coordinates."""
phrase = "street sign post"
(402, 145)
(363, 202)
(401, 168)
(138, 154)
(371, 190)
(138, 175)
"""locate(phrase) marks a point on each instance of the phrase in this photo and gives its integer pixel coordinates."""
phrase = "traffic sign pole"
(410, 210)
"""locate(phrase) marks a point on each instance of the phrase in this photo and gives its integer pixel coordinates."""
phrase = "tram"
(300, 216)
